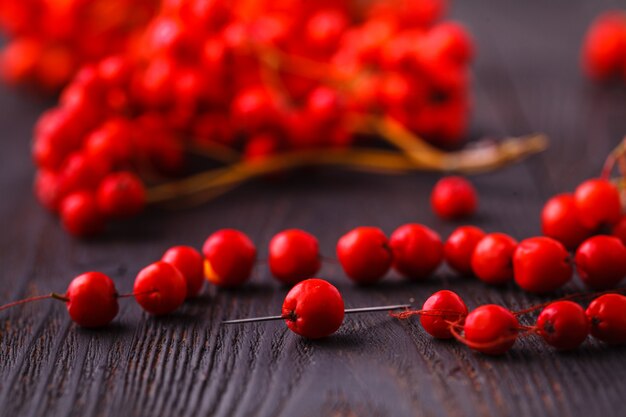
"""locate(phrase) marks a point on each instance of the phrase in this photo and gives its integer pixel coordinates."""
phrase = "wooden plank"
(189, 365)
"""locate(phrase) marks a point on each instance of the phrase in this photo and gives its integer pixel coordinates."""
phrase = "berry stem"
(53, 295)
(133, 294)
(416, 155)
(616, 155)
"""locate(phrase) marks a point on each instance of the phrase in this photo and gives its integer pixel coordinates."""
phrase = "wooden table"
(527, 78)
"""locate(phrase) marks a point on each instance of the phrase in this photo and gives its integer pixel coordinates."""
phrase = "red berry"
(541, 265)
(491, 329)
(601, 262)
(229, 258)
(47, 189)
(364, 254)
(92, 300)
(460, 246)
(453, 198)
(313, 309)
(190, 264)
(598, 203)
(417, 250)
(324, 28)
(254, 108)
(121, 194)
(560, 221)
(450, 41)
(112, 141)
(323, 104)
(441, 310)
(563, 324)
(492, 260)
(294, 256)
(81, 172)
(80, 214)
(603, 48)
(607, 315)
(160, 288)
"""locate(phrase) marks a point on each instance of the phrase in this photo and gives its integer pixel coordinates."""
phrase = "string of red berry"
(537, 264)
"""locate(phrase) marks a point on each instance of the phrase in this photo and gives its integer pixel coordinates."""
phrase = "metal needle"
(347, 311)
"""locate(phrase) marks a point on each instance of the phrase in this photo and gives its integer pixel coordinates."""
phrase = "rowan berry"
(160, 288)
(92, 300)
(324, 28)
(492, 260)
(190, 264)
(80, 214)
(598, 203)
(313, 309)
(453, 198)
(541, 265)
(81, 171)
(294, 256)
(491, 329)
(560, 221)
(229, 258)
(563, 324)
(417, 250)
(121, 195)
(47, 190)
(460, 246)
(607, 315)
(111, 141)
(601, 262)
(364, 254)
(604, 45)
(440, 311)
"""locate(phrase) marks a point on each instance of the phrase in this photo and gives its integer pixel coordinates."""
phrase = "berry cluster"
(604, 47)
(249, 78)
(50, 40)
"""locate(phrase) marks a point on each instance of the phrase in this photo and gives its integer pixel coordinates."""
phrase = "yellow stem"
(483, 156)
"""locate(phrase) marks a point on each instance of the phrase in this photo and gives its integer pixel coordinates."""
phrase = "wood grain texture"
(526, 79)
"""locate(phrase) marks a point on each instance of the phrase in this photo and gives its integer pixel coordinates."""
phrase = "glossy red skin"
(541, 265)
(121, 195)
(190, 263)
(452, 309)
(417, 250)
(81, 171)
(294, 256)
(230, 256)
(598, 203)
(492, 260)
(160, 288)
(460, 246)
(364, 254)
(603, 48)
(601, 262)
(607, 315)
(491, 329)
(563, 324)
(453, 198)
(80, 214)
(619, 230)
(313, 309)
(92, 300)
(559, 220)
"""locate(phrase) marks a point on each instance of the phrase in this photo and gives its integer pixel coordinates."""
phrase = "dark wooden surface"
(527, 78)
